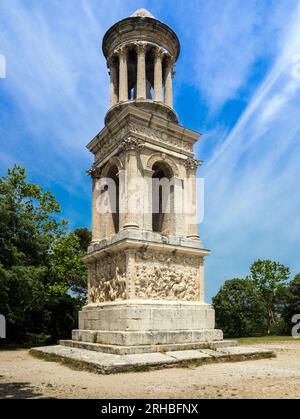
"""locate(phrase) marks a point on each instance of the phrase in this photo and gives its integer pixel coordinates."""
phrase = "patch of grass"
(265, 339)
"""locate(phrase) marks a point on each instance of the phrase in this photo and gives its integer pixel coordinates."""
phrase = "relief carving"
(157, 276)
(108, 143)
(165, 277)
(108, 279)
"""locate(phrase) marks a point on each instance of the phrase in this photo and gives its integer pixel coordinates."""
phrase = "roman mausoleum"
(146, 259)
(146, 303)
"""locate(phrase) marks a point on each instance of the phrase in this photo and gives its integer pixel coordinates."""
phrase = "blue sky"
(237, 82)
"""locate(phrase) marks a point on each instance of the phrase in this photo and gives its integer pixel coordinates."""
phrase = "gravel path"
(22, 376)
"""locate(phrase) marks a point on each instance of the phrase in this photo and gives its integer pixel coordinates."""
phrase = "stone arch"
(110, 196)
(161, 157)
(113, 161)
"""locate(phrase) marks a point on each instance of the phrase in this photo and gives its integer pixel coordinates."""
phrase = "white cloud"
(57, 84)
(252, 179)
(226, 40)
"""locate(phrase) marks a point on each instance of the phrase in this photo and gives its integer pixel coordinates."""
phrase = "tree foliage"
(39, 261)
(292, 303)
(240, 309)
(260, 304)
(270, 279)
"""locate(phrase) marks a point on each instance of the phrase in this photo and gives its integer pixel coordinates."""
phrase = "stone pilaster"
(191, 212)
(141, 70)
(96, 216)
(132, 192)
(148, 174)
(178, 206)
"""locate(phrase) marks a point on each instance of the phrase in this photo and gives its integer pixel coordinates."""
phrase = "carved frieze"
(157, 276)
(162, 276)
(109, 143)
(107, 279)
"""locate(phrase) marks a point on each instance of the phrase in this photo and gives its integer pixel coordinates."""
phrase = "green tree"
(85, 237)
(270, 279)
(66, 265)
(34, 296)
(240, 309)
(292, 303)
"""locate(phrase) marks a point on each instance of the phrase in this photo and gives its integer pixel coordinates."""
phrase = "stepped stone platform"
(93, 357)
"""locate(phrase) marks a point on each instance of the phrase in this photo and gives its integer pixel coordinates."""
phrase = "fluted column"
(123, 74)
(168, 83)
(158, 86)
(113, 82)
(96, 215)
(191, 190)
(132, 190)
(141, 70)
(148, 179)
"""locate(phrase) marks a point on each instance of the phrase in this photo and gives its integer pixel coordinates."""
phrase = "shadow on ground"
(19, 391)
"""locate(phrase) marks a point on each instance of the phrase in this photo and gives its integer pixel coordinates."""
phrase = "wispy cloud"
(253, 174)
(56, 92)
(226, 40)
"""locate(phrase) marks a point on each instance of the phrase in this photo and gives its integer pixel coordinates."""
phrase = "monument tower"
(146, 260)
(146, 305)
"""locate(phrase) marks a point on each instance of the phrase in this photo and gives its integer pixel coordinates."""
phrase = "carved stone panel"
(107, 279)
(156, 276)
(162, 276)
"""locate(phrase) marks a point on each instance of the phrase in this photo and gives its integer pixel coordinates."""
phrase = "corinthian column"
(141, 70)
(123, 74)
(168, 86)
(191, 198)
(132, 190)
(158, 89)
(113, 82)
(96, 216)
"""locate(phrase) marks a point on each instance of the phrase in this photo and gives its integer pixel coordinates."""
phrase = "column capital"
(131, 143)
(192, 164)
(160, 52)
(141, 46)
(94, 172)
(121, 50)
(170, 60)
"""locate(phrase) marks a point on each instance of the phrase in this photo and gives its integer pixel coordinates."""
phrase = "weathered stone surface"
(103, 363)
(146, 260)
(140, 349)
(150, 316)
(142, 338)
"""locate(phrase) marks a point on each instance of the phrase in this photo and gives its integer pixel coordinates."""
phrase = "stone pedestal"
(150, 323)
(146, 290)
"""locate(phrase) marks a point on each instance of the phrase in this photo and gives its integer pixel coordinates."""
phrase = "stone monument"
(145, 264)
(146, 303)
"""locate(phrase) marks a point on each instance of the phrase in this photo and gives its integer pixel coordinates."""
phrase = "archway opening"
(132, 73)
(162, 198)
(113, 193)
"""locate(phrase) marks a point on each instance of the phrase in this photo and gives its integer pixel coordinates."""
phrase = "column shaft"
(168, 86)
(113, 85)
(123, 76)
(147, 185)
(158, 89)
(96, 216)
(191, 210)
(141, 71)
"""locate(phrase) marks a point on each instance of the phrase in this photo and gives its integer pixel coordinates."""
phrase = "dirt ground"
(22, 376)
